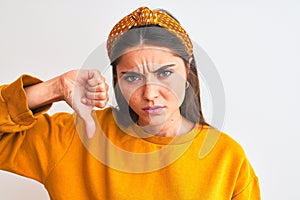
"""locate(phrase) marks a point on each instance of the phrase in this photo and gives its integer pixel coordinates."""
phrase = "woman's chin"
(153, 121)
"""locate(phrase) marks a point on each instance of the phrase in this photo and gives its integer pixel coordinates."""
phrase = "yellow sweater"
(118, 163)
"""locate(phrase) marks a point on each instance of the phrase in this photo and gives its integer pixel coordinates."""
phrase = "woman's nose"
(150, 91)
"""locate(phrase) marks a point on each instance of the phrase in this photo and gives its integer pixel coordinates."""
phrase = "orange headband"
(143, 16)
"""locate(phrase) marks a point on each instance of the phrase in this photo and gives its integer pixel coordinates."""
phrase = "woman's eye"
(165, 73)
(132, 78)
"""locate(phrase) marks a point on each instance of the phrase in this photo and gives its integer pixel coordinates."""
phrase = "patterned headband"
(143, 16)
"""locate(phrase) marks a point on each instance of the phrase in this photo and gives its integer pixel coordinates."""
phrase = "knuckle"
(100, 104)
(102, 96)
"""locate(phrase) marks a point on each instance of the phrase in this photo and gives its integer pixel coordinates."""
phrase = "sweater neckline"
(136, 131)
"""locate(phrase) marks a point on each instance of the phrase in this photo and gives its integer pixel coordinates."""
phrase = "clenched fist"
(83, 90)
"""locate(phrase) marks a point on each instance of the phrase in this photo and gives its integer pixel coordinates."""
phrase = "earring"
(187, 85)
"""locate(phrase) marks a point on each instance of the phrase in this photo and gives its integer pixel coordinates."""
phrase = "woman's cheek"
(175, 91)
(131, 94)
(134, 99)
(179, 93)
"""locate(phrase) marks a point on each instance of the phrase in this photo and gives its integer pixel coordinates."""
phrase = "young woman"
(154, 145)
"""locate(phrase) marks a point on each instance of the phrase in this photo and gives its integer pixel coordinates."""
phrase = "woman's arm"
(26, 136)
(43, 93)
(88, 84)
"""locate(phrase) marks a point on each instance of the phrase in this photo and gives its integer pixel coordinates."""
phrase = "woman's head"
(150, 48)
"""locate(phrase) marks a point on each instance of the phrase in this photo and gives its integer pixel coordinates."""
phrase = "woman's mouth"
(154, 110)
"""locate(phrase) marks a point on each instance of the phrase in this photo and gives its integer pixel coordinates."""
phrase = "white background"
(254, 44)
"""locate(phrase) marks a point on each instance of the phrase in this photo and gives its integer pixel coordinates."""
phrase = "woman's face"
(152, 80)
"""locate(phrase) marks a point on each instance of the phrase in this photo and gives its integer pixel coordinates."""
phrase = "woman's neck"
(177, 125)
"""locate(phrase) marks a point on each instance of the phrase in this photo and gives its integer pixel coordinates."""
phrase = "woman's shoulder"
(219, 142)
(105, 114)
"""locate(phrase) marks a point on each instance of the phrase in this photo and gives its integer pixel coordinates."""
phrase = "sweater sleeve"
(31, 143)
(247, 185)
(15, 114)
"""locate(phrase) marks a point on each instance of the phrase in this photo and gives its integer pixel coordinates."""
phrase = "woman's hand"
(83, 90)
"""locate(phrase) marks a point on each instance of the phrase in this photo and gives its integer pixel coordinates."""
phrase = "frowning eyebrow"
(163, 68)
(155, 71)
(130, 73)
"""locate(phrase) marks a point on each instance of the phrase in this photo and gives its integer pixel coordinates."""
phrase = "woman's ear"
(190, 60)
(188, 67)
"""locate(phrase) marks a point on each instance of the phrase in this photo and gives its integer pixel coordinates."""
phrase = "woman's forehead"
(148, 56)
(148, 48)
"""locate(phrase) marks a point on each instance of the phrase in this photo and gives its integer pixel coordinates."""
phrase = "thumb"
(90, 126)
(85, 113)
